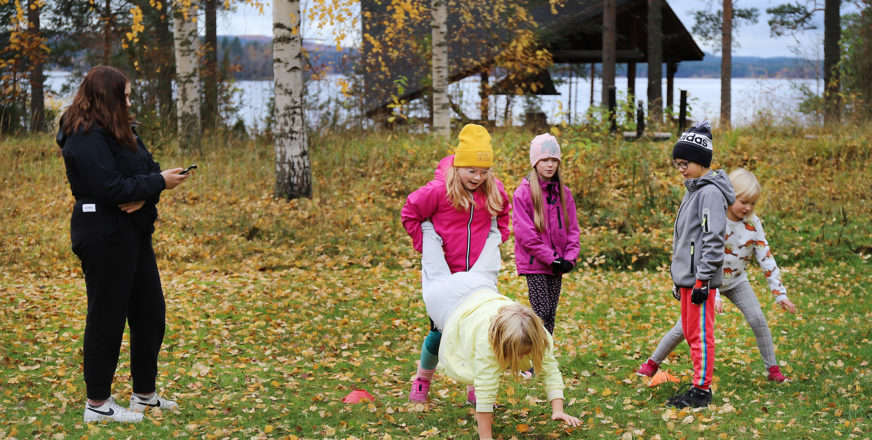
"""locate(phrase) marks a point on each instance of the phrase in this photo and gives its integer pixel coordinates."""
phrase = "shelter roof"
(395, 54)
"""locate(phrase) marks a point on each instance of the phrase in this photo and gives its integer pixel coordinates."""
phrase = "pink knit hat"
(543, 146)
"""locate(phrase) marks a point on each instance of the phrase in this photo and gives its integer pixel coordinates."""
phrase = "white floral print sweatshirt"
(744, 239)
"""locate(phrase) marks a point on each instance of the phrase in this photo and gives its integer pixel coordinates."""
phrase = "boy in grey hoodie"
(698, 255)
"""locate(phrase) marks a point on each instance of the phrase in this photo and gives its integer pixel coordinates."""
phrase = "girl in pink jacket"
(546, 228)
(460, 202)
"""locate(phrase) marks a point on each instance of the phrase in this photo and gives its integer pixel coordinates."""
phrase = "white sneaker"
(110, 411)
(139, 404)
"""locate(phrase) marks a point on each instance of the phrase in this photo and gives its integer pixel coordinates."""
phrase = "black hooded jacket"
(103, 173)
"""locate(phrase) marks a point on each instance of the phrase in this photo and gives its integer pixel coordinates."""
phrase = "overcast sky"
(754, 40)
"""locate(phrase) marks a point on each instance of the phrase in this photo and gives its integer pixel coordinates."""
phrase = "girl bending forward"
(485, 334)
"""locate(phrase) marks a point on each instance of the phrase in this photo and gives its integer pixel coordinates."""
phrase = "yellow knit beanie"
(474, 149)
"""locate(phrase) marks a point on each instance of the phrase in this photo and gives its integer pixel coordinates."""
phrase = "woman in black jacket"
(117, 185)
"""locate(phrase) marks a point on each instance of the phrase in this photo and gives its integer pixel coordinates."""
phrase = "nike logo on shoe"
(104, 413)
(153, 405)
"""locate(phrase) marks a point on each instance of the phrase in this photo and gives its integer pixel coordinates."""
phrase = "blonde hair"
(536, 197)
(462, 199)
(514, 330)
(745, 184)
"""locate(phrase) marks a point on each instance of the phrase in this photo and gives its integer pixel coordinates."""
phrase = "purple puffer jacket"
(534, 251)
(463, 233)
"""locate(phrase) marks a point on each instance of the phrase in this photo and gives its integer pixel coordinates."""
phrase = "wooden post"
(726, 63)
(640, 120)
(592, 75)
(613, 117)
(655, 61)
(631, 88)
(610, 38)
(483, 93)
(671, 68)
(682, 112)
(569, 112)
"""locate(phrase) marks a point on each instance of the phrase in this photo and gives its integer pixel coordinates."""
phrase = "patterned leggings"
(544, 293)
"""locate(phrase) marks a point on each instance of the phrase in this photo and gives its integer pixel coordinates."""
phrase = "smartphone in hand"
(192, 167)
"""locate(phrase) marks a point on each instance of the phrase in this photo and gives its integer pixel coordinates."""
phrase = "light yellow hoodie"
(466, 355)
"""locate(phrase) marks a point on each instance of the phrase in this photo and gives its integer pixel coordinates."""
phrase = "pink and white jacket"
(535, 251)
(463, 233)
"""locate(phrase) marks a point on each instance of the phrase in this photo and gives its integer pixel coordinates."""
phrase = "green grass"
(276, 310)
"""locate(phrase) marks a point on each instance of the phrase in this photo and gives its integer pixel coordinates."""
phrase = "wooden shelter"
(395, 59)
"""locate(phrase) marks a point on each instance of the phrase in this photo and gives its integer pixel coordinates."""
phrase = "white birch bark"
(187, 45)
(293, 173)
(439, 29)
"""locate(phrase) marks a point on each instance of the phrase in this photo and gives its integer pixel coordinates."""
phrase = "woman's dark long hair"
(100, 101)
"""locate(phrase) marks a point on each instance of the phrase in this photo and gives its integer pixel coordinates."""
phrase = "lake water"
(751, 97)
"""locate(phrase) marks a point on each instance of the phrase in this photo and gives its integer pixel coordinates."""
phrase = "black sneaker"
(694, 398)
(678, 396)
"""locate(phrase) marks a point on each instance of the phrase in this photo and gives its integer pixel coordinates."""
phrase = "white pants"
(444, 291)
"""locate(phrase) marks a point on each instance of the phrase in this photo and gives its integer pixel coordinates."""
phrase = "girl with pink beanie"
(546, 228)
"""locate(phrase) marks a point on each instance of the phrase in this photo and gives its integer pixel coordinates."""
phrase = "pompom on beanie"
(695, 145)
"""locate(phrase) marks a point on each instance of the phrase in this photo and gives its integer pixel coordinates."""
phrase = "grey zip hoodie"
(698, 238)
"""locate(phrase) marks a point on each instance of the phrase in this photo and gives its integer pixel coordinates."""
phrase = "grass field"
(276, 310)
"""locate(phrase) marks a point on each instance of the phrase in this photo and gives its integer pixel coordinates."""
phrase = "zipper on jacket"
(531, 260)
(692, 265)
(469, 234)
(705, 221)
(559, 221)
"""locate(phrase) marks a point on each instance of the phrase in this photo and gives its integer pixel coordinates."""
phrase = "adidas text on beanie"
(695, 145)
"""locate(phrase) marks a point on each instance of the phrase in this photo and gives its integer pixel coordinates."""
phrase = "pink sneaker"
(776, 376)
(420, 388)
(648, 368)
(470, 396)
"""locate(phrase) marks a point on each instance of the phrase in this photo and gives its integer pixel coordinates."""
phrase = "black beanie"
(695, 145)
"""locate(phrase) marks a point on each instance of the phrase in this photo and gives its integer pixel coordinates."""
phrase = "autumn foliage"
(277, 310)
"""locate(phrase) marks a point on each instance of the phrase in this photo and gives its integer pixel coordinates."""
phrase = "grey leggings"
(744, 298)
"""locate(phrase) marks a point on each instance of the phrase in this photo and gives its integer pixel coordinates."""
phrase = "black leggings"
(544, 293)
(123, 285)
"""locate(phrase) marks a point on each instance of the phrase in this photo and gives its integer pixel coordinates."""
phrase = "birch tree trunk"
(439, 29)
(610, 39)
(293, 173)
(726, 64)
(162, 24)
(655, 61)
(187, 42)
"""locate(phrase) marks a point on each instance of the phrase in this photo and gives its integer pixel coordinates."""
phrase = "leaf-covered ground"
(271, 354)
(277, 310)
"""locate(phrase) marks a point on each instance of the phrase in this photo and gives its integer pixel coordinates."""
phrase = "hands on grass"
(787, 305)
